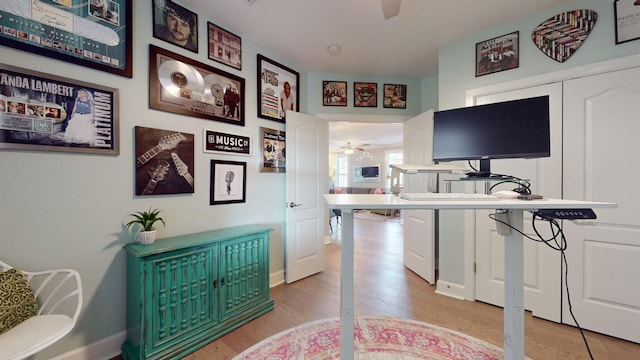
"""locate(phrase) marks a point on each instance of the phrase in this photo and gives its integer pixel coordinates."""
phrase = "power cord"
(561, 246)
(524, 186)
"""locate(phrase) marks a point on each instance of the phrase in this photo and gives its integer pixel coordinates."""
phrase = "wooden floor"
(385, 287)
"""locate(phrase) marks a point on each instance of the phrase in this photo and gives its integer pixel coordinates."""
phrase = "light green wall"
(457, 74)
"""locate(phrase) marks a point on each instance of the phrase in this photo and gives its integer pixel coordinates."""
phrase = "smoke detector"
(250, 2)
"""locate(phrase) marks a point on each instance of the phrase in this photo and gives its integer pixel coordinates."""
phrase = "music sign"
(218, 142)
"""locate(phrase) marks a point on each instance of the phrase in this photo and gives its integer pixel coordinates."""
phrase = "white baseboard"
(450, 289)
(104, 349)
(276, 278)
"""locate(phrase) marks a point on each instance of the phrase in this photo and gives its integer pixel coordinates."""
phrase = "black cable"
(556, 230)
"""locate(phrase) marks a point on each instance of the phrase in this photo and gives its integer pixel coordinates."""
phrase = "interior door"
(418, 232)
(601, 115)
(306, 181)
(542, 264)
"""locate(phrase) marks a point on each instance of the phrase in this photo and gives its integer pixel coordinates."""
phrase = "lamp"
(348, 151)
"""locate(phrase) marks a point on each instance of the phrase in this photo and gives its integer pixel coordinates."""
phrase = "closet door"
(542, 264)
(602, 123)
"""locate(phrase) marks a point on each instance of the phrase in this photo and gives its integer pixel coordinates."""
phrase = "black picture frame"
(224, 46)
(627, 17)
(108, 48)
(395, 96)
(498, 54)
(334, 93)
(165, 162)
(365, 94)
(77, 117)
(273, 77)
(165, 11)
(184, 86)
(228, 182)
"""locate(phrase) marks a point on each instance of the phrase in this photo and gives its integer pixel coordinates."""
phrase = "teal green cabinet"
(185, 291)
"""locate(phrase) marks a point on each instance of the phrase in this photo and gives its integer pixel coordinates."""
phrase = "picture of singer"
(175, 24)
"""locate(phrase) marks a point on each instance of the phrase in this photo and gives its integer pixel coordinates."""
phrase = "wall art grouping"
(180, 85)
(91, 33)
(164, 161)
(51, 113)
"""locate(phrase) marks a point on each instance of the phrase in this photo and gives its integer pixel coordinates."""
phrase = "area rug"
(376, 338)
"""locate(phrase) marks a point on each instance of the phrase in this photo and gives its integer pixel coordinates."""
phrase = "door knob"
(292, 205)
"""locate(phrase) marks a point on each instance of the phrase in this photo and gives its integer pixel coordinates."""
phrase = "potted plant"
(146, 220)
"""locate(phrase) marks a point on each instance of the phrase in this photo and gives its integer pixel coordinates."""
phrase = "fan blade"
(390, 8)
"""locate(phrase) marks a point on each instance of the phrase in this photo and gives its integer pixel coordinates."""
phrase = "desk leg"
(514, 290)
(347, 319)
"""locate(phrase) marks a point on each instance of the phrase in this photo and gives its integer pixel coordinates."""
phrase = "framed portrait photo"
(278, 89)
(395, 96)
(228, 182)
(224, 46)
(365, 94)
(334, 93)
(184, 86)
(273, 150)
(50, 113)
(627, 14)
(175, 24)
(93, 33)
(497, 54)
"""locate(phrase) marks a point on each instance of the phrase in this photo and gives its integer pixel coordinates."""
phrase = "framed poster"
(175, 24)
(273, 150)
(223, 143)
(92, 33)
(365, 94)
(497, 54)
(50, 113)
(334, 93)
(627, 14)
(228, 182)
(164, 161)
(183, 86)
(278, 89)
(395, 96)
(224, 46)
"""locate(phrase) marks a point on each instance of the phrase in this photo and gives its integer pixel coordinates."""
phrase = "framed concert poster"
(164, 161)
(50, 113)
(334, 93)
(278, 89)
(497, 54)
(184, 86)
(365, 94)
(92, 33)
(175, 24)
(224, 46)
(228, 182)
(273, 149)
(395, 96)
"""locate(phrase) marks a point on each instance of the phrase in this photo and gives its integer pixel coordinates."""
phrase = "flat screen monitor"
(503, 130)
(370, 171)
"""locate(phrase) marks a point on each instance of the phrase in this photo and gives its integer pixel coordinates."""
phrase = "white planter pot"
(147, 237)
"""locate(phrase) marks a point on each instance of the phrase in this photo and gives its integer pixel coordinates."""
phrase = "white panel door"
(418, 232)
(306, 181)
(542, 264)
(601, 151)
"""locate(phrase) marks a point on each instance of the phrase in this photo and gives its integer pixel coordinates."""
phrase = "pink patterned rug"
(376, 338)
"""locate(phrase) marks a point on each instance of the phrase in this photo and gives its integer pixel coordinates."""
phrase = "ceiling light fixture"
(334, 49)
(348, 151)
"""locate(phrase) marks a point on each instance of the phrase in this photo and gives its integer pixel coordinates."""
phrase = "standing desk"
(513, 255)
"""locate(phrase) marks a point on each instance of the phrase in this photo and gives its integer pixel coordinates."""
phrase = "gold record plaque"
(180, 85)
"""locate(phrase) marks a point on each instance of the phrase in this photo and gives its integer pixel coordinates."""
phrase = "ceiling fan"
(390, 8)
(351, 149)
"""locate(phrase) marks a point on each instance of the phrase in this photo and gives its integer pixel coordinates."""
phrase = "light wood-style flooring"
(384, 287)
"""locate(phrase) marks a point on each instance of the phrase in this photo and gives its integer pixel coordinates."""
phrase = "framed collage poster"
(164, 161)
(224, 46)
(278, 89)
(273, 150)
(228, 182)
(334, 93)
(395, 96)
(497, 54)
(92, 33)
(175, 24)
(365, 94)
(184, 86)
(50, 113)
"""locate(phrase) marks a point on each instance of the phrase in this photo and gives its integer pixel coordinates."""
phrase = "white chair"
(59, 296)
